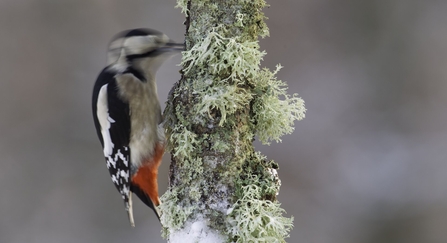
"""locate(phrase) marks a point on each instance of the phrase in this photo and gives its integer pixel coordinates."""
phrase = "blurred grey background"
(368, 164)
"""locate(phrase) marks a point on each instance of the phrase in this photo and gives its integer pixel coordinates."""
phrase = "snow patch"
(230, 210)
(275, 177)
(197, 231)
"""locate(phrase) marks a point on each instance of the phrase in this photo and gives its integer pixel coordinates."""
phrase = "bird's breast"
(145, 115)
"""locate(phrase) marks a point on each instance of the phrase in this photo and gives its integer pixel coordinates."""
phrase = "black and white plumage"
(127, 113)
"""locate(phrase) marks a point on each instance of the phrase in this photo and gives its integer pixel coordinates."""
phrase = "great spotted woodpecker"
(127, 113)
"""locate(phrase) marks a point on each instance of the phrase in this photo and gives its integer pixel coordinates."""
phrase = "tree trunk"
(220, 189)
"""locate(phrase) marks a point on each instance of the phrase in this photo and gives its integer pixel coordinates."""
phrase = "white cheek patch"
(102, 112)
(141, 44)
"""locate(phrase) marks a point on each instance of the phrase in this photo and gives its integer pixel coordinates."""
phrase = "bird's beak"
(175, 46)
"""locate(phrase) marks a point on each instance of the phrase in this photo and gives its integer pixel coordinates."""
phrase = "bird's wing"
(113, 127)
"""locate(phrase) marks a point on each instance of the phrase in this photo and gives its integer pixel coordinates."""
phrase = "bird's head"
(141, 48)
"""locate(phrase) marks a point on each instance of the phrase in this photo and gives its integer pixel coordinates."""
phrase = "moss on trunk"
(223, 100)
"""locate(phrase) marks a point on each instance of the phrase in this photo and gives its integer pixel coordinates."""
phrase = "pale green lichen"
(220, 56)
(223, 100)
(239, 19)
(257, 220)
(194, 193)
(220, 146)
(257, 216)
(274, 110)
(193, 169)
(183, 140)
(183, 5)
(226, 99)
(174, 212)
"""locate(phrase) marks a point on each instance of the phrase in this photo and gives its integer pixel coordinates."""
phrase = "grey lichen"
(213, 114)
(174, 214)
(273, 109)
(185, 141)
(232, 58)
(257, 216)
(183, 5)
(258, 220)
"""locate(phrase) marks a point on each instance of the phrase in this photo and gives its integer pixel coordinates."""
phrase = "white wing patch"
(105, 120)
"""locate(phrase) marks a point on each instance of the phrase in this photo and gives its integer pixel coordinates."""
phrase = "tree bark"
(220, 189)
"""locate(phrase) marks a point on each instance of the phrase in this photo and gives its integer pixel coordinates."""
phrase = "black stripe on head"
(142, 32)
(151, 53)
(135, 32)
